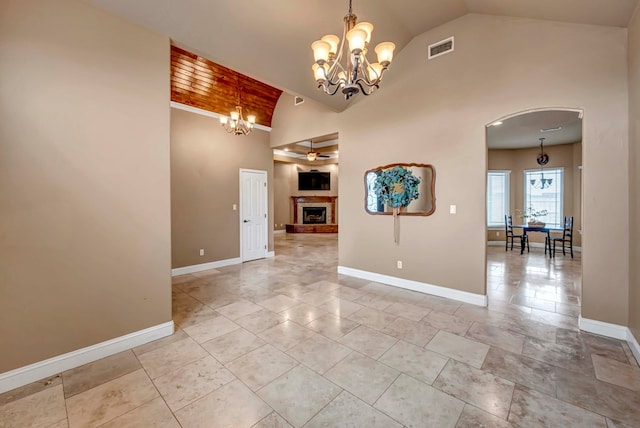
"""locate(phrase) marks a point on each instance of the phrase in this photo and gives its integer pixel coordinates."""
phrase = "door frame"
(266, 210)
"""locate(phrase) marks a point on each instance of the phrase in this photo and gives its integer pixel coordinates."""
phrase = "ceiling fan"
(311, 155)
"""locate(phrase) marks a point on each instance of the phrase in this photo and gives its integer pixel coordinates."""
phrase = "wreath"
(397, 187)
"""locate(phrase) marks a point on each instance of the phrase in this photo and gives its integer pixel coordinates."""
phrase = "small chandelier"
(357, 74)
(236, 123)
(542, 159)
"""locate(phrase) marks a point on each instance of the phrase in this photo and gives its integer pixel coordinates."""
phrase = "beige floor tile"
(474, 386)
(373, 301)
(340, 307)
(319, 353)
(171, 357)
(412, 402)
(154, 413)
(417, 362)
(417, 333)
(617, 373)
(110, 400)
(568, 357)
(278, 303)
(273, 420)
(523, 370)
(303, 313)
(439, 304)
(447, 322)
(40, 409)
(238, 309)
(362, 376)
(532, 408)
(29, 389)
(372, 318)
(191, 382)
(332, 326)
(368, 341)
(407, 310)
(459, 348)
(347, 411)
(233, 345)
(261, 320)
(323, 286)
(233, 405)
(348, 293)
(472, 417)
(261, 366)
(495, 336)
(315, 298)
(177, 336)
(299, 394)
(98, 372)
(62, 424)
(286, 335)
(211, 328)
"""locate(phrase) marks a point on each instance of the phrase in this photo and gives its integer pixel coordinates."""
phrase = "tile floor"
(288, 342)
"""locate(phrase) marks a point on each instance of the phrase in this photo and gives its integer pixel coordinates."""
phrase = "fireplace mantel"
(297, 227)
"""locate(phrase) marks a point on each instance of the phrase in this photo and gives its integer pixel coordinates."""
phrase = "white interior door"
(253, 214)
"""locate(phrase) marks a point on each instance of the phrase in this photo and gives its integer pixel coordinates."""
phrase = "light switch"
(452, 209)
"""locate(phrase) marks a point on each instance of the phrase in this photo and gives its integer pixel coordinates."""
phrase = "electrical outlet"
(452, 209)
(235, 207)
(202, 251)
(497, 233)
(399, 264)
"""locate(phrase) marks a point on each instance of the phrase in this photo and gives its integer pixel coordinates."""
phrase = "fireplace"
(314, 215)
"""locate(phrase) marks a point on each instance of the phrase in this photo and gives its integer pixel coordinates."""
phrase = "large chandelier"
(236, 123)
(356, 74)
(542, 159)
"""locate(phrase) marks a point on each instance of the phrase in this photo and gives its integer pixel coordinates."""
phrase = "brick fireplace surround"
(310, 201)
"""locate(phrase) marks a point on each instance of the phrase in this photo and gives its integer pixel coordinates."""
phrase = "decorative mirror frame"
(406, 165)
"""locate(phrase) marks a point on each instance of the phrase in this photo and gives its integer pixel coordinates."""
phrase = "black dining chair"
(508, 225)
(567, 237)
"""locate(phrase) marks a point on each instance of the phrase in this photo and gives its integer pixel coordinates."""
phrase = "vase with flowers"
(531, 215)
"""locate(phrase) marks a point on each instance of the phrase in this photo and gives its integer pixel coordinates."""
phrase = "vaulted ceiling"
(269, 40)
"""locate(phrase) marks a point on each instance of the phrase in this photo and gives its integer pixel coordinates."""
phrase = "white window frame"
(507, 175)
(527, 187)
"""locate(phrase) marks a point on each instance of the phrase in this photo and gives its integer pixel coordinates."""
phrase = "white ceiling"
(525, 130)
(270, 40)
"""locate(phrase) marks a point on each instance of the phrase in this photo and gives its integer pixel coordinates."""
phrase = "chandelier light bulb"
(375, 71)
(333, 42)
(367, 27)
(384, 51)
(223, 120)
(320, 72)
(234, 116)
(252, 119)
(320, 51)
(357, 39)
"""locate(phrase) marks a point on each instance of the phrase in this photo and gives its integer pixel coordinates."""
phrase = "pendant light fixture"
(344, 66)
(542, 159)
(236, 123)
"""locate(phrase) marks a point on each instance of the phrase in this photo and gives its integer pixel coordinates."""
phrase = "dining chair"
(567, 237)
(508, 225)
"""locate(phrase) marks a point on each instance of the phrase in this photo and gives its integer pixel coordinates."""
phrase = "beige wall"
(436, 112)
(568, 156)
(205, 184)
(84, 179)
(286, 185)
(634, 160)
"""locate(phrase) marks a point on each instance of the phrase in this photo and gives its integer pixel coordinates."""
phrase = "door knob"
(246, 221)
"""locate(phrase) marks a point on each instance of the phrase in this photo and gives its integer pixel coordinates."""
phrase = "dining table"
(541, 228)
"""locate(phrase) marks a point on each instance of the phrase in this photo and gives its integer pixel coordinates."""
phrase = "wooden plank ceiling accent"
(198, 82)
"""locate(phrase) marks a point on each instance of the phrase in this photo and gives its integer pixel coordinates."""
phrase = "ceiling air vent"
(440, 48)
(297, 101)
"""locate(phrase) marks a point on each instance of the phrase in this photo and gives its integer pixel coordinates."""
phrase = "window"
(549, 199)
(497, 197)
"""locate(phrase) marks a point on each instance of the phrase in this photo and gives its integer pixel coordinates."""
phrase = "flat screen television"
(314, 180)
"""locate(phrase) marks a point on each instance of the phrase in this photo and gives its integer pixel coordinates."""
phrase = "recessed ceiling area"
(525, 130)
(270, 40)
(326, 146)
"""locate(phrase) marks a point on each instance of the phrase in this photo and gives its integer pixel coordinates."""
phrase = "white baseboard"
(531, 244)
(436, 290)
(634, 345)
(279, 232)
(205, 266)
(271, 254)
(52, 366)
(615, 331)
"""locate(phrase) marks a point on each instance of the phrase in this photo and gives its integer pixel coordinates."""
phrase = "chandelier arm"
(367, 89)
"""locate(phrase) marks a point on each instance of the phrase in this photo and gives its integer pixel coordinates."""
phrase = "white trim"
(205, 266)
(603, 328)
(279, 232)
(202, 112)
(52, 366)
(436, 290)
(634, 345)
(271, 254)
(531, 244)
